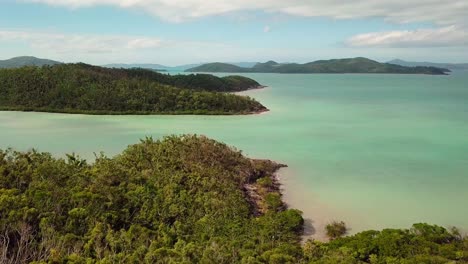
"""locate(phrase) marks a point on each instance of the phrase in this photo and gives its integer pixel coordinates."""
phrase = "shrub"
(336, 229)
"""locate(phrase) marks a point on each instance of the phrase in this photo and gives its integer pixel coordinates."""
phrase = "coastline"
(316, 215)
(262, 184)
(252, 88)
(256, 87)
(103, 113)
(256, 194)
(130, 113)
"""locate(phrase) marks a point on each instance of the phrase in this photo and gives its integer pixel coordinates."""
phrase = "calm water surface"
(373, 150)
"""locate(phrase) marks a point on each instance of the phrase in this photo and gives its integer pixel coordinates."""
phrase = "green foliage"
(81, 88)
(352, 65)
(265, 182)
(205, 82)
(336, 229)
(273, 201)
(178, 200)
(422, 243)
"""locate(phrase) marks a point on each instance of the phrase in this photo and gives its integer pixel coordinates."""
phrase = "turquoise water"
(373, 150)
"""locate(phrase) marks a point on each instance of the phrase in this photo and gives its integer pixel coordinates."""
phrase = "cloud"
(100, 49)
(450, 36)
(401, 11)
(266, 29)
(78, 43)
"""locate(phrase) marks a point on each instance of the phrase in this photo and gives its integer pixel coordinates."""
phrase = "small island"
(87, 89)
(22, 61)
(352, 65)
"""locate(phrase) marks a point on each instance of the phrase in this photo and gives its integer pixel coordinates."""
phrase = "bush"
(336, 229)
(273, 201)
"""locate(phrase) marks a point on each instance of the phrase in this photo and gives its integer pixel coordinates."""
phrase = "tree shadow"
(309, 229)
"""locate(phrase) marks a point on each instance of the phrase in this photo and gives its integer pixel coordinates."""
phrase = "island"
(450, 66)
(181, 199)
(87, 89)
(22, 61)
(351, 65)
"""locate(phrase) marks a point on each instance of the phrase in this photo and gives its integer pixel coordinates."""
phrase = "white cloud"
(266, 29)
(441, 37)
(76, 43)
(402, 11)
(101, 49)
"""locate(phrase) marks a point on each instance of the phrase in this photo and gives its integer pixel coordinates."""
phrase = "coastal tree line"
(81, 88)
(179, 200)
(182, 199)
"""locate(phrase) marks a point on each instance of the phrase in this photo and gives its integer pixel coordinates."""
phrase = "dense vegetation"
(81, 88)
(353, 65)
(180, 200)
(422, 244)
(184, 199)
(206, 82)
(26, 61)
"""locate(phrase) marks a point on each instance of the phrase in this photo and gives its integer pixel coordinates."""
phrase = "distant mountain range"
(350, 65)
(170, 68)
(26, 61)
(151, 66)
(450, 66)
(129, 66)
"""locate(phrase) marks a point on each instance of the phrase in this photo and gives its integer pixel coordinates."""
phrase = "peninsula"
(86, 89)
(182, 199)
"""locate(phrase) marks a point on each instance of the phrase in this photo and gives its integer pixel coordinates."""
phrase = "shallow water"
(373, 150)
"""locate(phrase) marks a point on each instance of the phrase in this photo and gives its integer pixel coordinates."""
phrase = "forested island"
(182, 199)
(450, 66)
(352, 65)
(82, 88)
(22, 61)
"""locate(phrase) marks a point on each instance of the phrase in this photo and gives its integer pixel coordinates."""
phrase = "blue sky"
(176, 32)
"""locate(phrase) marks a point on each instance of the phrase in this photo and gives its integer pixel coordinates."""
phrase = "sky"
(175, 32)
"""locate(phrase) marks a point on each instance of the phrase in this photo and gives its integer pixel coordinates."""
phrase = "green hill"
(81, 88)
(218, 67)
(352, 65)
(26, 61)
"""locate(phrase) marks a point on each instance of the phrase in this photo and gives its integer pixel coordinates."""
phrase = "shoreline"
(262, 111)
(315, 214)
(136, 113)
(260, 185)
(104, 113)
(252, 88)
(309, 227)
(258, 87)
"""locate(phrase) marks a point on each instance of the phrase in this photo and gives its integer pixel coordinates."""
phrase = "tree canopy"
(179, 200)
(182, 199)
(81, 88)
